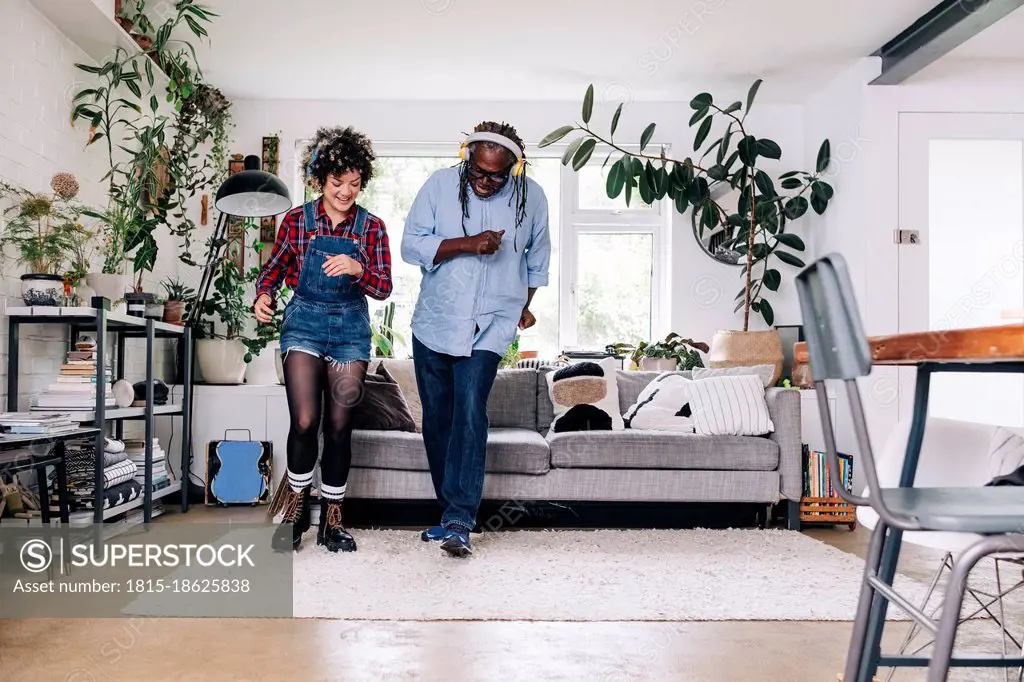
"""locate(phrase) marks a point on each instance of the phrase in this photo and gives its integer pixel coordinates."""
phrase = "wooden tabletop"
(981, 344)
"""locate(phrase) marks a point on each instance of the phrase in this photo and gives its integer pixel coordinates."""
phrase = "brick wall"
(38, 80)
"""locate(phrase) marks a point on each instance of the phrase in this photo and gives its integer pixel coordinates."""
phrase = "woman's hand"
(343, 265)
(264, 309)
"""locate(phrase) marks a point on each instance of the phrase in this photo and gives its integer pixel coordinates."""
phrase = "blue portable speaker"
(238, 471)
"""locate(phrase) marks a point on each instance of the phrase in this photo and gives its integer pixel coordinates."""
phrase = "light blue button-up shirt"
(474, 302)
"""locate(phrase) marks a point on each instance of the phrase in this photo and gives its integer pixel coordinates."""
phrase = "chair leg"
(914, 625)
(938, 670)
(860, 624)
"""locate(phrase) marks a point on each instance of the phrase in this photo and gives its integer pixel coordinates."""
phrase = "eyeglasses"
(478, 174)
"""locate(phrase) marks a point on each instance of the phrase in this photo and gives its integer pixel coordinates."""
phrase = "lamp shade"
(253, 193)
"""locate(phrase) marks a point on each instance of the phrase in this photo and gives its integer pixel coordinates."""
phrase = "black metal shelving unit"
(123, 327)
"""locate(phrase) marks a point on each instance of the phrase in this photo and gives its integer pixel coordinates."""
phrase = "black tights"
(316, 387)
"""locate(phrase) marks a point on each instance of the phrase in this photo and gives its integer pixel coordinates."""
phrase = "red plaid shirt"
(290, 245)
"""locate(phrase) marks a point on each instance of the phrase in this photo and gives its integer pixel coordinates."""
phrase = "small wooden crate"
(828, 510)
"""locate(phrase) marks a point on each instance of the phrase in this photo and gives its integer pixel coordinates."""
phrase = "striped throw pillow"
(730, 406)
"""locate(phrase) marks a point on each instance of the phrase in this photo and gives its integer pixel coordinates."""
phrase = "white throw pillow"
(1005, 452)
(585, 397)
(663, 405)
(766, 372)
(730, 406)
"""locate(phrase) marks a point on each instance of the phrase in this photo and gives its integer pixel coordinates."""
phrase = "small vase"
(744, 349)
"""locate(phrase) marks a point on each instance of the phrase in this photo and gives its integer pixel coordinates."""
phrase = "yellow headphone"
(520, 166)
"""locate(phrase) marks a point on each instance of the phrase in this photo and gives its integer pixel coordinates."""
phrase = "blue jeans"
(454, 392)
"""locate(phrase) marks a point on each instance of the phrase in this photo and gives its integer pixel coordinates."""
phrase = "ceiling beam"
(946, 26)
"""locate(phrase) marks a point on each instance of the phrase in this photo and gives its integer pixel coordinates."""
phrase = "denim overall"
(328, 315)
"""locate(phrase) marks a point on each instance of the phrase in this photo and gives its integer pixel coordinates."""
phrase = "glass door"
(961, 249)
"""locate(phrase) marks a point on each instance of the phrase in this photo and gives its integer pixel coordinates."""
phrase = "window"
(601, 289)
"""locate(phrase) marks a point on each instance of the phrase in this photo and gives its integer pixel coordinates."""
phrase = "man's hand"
(343, 265)
(485, 243)
(527, 320)
(264, 309)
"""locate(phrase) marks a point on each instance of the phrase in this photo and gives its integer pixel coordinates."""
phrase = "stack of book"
(15, 425)
(75, 388)
(817, 479)
(136, 450)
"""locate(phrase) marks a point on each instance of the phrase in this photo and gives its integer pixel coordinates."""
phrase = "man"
(479, 232)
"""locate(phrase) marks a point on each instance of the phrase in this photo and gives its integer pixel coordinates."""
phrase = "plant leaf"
(645, 137)
(571, 149)
(555, 135)
(588, 103)
(702, 133)
(791, 240)
(752, 93)
(772, 279)
(702, 101)
(747, 148)
(769, 148)
(824, 156)
(698, 115)
(764, 183)
(766, 312)
(818, 204)
(789, 259)
(615, 118)
(795, 207)
(616, 179)
(791, 183)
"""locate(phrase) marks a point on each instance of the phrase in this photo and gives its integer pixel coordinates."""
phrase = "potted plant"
(264, 366)
(754, 229)
(44, 230)
(383, 334)
(668, 355)
(177, 296)
(222, 356)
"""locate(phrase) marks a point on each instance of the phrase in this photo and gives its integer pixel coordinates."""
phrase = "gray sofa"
(526, 463)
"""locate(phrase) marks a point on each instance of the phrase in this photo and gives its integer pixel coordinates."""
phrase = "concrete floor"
(79, 650)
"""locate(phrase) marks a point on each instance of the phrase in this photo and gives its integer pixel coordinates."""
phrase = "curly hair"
(519, 184)
(334, 151)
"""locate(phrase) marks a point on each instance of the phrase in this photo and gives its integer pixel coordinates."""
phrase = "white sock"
(299, 481)
(332, 492)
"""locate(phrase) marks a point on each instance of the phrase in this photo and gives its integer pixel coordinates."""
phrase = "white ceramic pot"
(38, 289)
(658, 364)
(279, 364)
(112, 287)
(262, 369)
(221, 361)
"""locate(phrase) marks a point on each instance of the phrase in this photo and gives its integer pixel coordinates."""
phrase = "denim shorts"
(339, 332)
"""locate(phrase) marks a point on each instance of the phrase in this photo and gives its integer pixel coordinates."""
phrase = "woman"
(333, 254)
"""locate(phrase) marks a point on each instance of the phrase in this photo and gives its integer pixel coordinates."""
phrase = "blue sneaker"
(456, 543)
(432, 534)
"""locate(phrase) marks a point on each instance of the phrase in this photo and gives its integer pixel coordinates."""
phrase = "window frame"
(573, 222)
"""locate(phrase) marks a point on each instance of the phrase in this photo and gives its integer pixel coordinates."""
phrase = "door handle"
(907, 236)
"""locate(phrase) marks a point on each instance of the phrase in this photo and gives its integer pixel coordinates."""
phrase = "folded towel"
(113, 446)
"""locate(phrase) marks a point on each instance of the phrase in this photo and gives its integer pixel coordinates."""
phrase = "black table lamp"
(250, 193)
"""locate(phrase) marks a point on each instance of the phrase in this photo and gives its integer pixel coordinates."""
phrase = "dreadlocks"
(518, 183)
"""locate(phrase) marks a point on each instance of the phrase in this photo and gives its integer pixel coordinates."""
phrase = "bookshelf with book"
(821, 503)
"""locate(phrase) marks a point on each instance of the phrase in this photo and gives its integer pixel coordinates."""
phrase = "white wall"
(36, 91)
(863, 122)
(702, 290)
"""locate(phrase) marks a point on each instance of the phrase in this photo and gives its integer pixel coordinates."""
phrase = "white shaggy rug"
(585, 576)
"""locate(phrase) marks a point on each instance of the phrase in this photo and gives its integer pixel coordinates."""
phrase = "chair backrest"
(836, 342)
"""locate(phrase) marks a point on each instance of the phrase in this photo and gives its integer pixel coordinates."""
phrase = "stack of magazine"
(19, 425)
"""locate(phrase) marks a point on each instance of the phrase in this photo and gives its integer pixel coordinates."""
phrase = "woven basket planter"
(743, 349)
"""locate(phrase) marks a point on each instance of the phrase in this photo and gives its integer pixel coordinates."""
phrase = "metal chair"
(839, 350)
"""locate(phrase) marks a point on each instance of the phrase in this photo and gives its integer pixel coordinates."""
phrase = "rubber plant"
(756, 226)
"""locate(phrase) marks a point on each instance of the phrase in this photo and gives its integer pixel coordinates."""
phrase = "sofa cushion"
(510, 451)
(636, 449)
(513, 399)
(632, 383)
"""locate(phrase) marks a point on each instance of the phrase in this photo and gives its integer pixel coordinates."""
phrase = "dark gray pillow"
(383, 406)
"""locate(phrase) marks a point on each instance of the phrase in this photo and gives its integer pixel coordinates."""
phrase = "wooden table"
(978, 345)
(982, 349)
